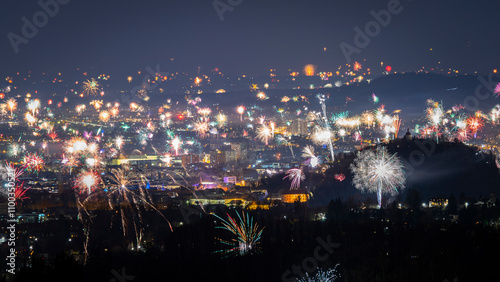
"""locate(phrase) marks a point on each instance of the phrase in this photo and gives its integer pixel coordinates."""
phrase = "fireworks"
(104, 116)
(325, 132)
(495, 114)
(308, 153)
(175, 144)
(9, 173)
(295, 175)
(339, 177)
(396, 124)
(12, 105)
(285, 99)
(97, 104)
(76, 145)
(475, 124)
(221, 119)
(497, 89)
(284, 142)
(30, 119)
(80, 108)
(201, 127)
(350, 123)
(53, 136)
(33, 162)
(241, 111)
(435, 112)
(368, 119)
(33, 106)
(462, 135)
(357, 66)
(262, 96)
(378, 171)
(119, 142)
(309, 70)
(263, 133)
(69, 162)
(129, 200)
(87, 181)
(90, 87)
(19, 192)
(204, 112)
(321, 136)
(143, 135)
(14, 150)
(247, 235)
(329, 275)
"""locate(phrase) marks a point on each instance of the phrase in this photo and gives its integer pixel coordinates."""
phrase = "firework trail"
(378, 171)
(247, 235)
(20, 191)
(326, 128)
(282, 141)
(122, 195)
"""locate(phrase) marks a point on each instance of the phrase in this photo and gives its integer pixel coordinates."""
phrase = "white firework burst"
(378, 171)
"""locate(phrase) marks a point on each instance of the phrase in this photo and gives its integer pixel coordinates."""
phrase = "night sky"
(123, 36)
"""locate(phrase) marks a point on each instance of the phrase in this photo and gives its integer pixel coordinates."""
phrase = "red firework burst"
(87, 181)
(33, 162)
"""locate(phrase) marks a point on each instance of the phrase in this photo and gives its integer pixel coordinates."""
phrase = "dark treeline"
(370, 245)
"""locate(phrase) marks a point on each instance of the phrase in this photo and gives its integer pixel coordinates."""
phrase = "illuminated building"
(438, 202)
(293, 196)
(298, 127)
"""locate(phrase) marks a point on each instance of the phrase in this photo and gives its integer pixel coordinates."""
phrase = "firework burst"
(475, 124)
(339, 177)
(247, 235)
(378, 171)
(33, 106)
(90, 87)
(33, 162)
(264, 133)
(87, 182)
(14, 150)
(221, 119)
(201, 128)
(329, 275)
(12, 105)
(295, 175)
(308, 153)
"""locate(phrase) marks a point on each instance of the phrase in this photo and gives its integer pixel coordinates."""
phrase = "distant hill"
(448, 168)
